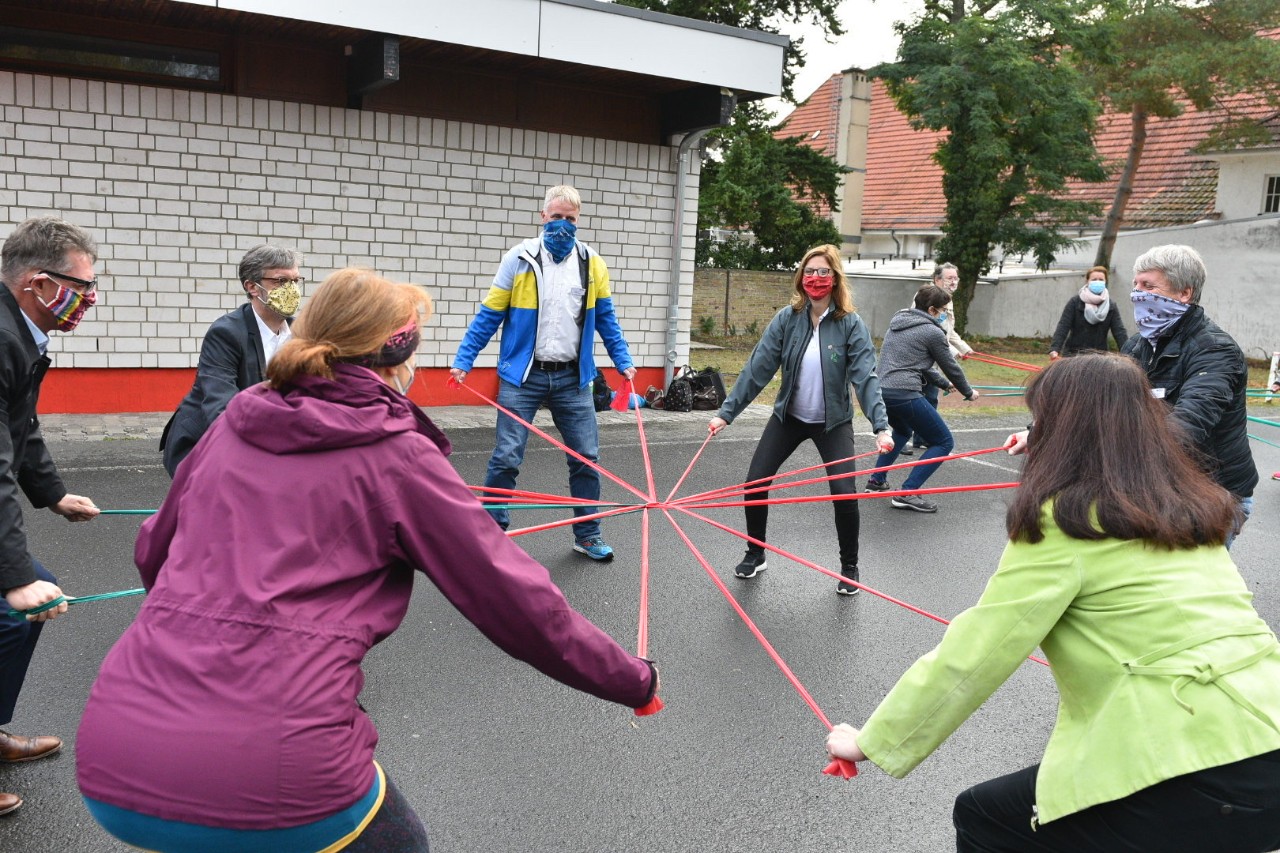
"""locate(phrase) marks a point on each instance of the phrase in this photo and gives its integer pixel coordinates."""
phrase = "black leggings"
(1234, 808)
(780, 440)
(394, 829)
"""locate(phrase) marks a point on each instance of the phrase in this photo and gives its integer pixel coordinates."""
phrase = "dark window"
(1271, 201)
(111, 58)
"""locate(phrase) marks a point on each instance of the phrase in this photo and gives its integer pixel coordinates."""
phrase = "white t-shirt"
(808, 403)
(560, 307)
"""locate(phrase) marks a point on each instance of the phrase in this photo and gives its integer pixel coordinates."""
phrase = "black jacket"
(1200, 371)
(1076, 334)
(231, 359)
(24, 460)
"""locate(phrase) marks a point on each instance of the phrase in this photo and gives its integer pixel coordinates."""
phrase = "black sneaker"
(907, 450)
(851, 572)
(752, 564)
(915, 502)
(873, 486)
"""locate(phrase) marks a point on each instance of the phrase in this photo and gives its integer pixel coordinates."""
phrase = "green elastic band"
(102, 596)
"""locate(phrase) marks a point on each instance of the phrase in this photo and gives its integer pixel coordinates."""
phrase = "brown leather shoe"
(15, 748)
(9, 803)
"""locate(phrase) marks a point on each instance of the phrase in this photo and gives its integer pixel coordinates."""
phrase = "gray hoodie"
(913, 344)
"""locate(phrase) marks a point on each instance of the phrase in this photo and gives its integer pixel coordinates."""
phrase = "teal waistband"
(172, 836)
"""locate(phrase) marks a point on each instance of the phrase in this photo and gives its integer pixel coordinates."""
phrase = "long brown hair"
(351, 314)
(841, 295)
(1104, 450)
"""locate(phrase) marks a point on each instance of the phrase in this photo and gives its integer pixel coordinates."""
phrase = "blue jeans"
(915, 415)
(931, 394)
(574, 415)
(1246, 510)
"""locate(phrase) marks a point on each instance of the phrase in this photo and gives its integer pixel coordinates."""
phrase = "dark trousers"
(394, 829)
(780, 440)
(17, 642)
(1234, 808)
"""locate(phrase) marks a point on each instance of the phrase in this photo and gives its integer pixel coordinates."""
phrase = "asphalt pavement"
(496, 757)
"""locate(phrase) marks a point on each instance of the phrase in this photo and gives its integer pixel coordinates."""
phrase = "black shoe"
(907, 450)
(851, 572)
(752, 564)
(873, 486)
(914, 502)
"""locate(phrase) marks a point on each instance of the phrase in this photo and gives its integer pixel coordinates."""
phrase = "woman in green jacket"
(1167, 735)
(823, 348)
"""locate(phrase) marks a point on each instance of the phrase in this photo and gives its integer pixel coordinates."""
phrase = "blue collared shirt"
(41, 339)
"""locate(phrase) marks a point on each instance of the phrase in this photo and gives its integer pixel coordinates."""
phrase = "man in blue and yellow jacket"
(550, 296)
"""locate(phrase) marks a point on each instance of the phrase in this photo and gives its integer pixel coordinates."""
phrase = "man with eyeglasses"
(238, 346)
(946, 276)
(47, 267)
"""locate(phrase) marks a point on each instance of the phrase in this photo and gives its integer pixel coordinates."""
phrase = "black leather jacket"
(1200, 371)
(24, 460)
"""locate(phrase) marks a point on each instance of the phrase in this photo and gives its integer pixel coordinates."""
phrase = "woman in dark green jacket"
(823, 349)
(1168, 731)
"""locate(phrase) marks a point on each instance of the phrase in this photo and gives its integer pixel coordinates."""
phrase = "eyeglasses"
(89, 286)
(281, 281)
(820, 272)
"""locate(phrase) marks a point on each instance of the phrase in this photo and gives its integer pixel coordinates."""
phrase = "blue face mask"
(558, 235)
(941, 318)
(1096, 287)
(1155, 314)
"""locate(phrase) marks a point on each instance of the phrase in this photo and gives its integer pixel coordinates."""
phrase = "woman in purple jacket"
(330, 489)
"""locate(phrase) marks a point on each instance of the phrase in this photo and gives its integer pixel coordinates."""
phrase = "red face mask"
(816, 286)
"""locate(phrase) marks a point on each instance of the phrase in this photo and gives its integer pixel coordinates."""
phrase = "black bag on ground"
(601, 393)
(679, 396)
(708, 389)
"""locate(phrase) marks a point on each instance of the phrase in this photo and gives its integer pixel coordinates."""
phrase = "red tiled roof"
(817, 122)
(1173, 185)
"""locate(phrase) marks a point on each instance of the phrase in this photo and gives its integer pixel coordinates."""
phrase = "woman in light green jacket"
(1168, 730)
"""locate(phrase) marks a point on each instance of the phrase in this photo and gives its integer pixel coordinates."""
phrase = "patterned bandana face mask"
(284, 300)
(1155, 314)
(558, 236)
(398, 349)
(68, 307)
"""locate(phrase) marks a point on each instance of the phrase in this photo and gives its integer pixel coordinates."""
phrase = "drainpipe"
(897, 247)
(673, 286)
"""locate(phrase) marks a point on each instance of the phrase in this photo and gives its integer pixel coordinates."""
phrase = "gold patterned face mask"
(284, 300)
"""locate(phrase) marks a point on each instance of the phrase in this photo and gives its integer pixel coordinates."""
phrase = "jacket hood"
(909, 318)
(312, 413)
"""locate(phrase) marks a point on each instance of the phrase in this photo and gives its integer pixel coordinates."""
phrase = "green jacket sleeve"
(761, 366)
(1031, 589)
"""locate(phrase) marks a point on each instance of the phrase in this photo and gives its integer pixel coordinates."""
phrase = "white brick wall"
(175, 186)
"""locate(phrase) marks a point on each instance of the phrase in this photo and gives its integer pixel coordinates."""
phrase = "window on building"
(109, 57)
(1271, 200)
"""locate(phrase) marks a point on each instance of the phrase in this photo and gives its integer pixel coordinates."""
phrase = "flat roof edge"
(677, 21)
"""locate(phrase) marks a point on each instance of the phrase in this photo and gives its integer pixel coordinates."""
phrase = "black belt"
(551, 365)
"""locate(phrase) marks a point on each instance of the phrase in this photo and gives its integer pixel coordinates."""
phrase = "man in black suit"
(47, 267)
(238, 346)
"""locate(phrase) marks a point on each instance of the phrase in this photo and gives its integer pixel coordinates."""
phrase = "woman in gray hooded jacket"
(823, 348)
(914, 343)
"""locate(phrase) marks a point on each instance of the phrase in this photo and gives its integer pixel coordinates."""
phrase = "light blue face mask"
(1096, 287)
(941, 318)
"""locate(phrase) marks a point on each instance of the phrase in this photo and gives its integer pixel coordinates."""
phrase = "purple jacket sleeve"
(509, 596)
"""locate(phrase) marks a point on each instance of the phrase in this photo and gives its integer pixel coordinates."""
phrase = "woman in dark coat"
(1087, 318)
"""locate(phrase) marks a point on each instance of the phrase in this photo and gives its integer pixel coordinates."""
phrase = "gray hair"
(1182, 265)
(44, 243)
(942, 268)
(562, 192)
(259, 259)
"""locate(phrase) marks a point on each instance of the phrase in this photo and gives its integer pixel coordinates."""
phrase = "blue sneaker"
(595, 549)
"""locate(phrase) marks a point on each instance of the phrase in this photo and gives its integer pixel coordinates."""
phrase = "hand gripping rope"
(722, 497)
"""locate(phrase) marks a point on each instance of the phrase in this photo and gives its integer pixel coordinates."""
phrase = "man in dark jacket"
(47, 267)
(1193, 365)
(237, 347)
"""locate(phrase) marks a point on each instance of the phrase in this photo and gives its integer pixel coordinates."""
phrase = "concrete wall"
(1243, 259)
(1023, 306)
(1242, 182)
(176, 185)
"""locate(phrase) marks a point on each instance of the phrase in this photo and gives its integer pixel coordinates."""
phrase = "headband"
(402, 344)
